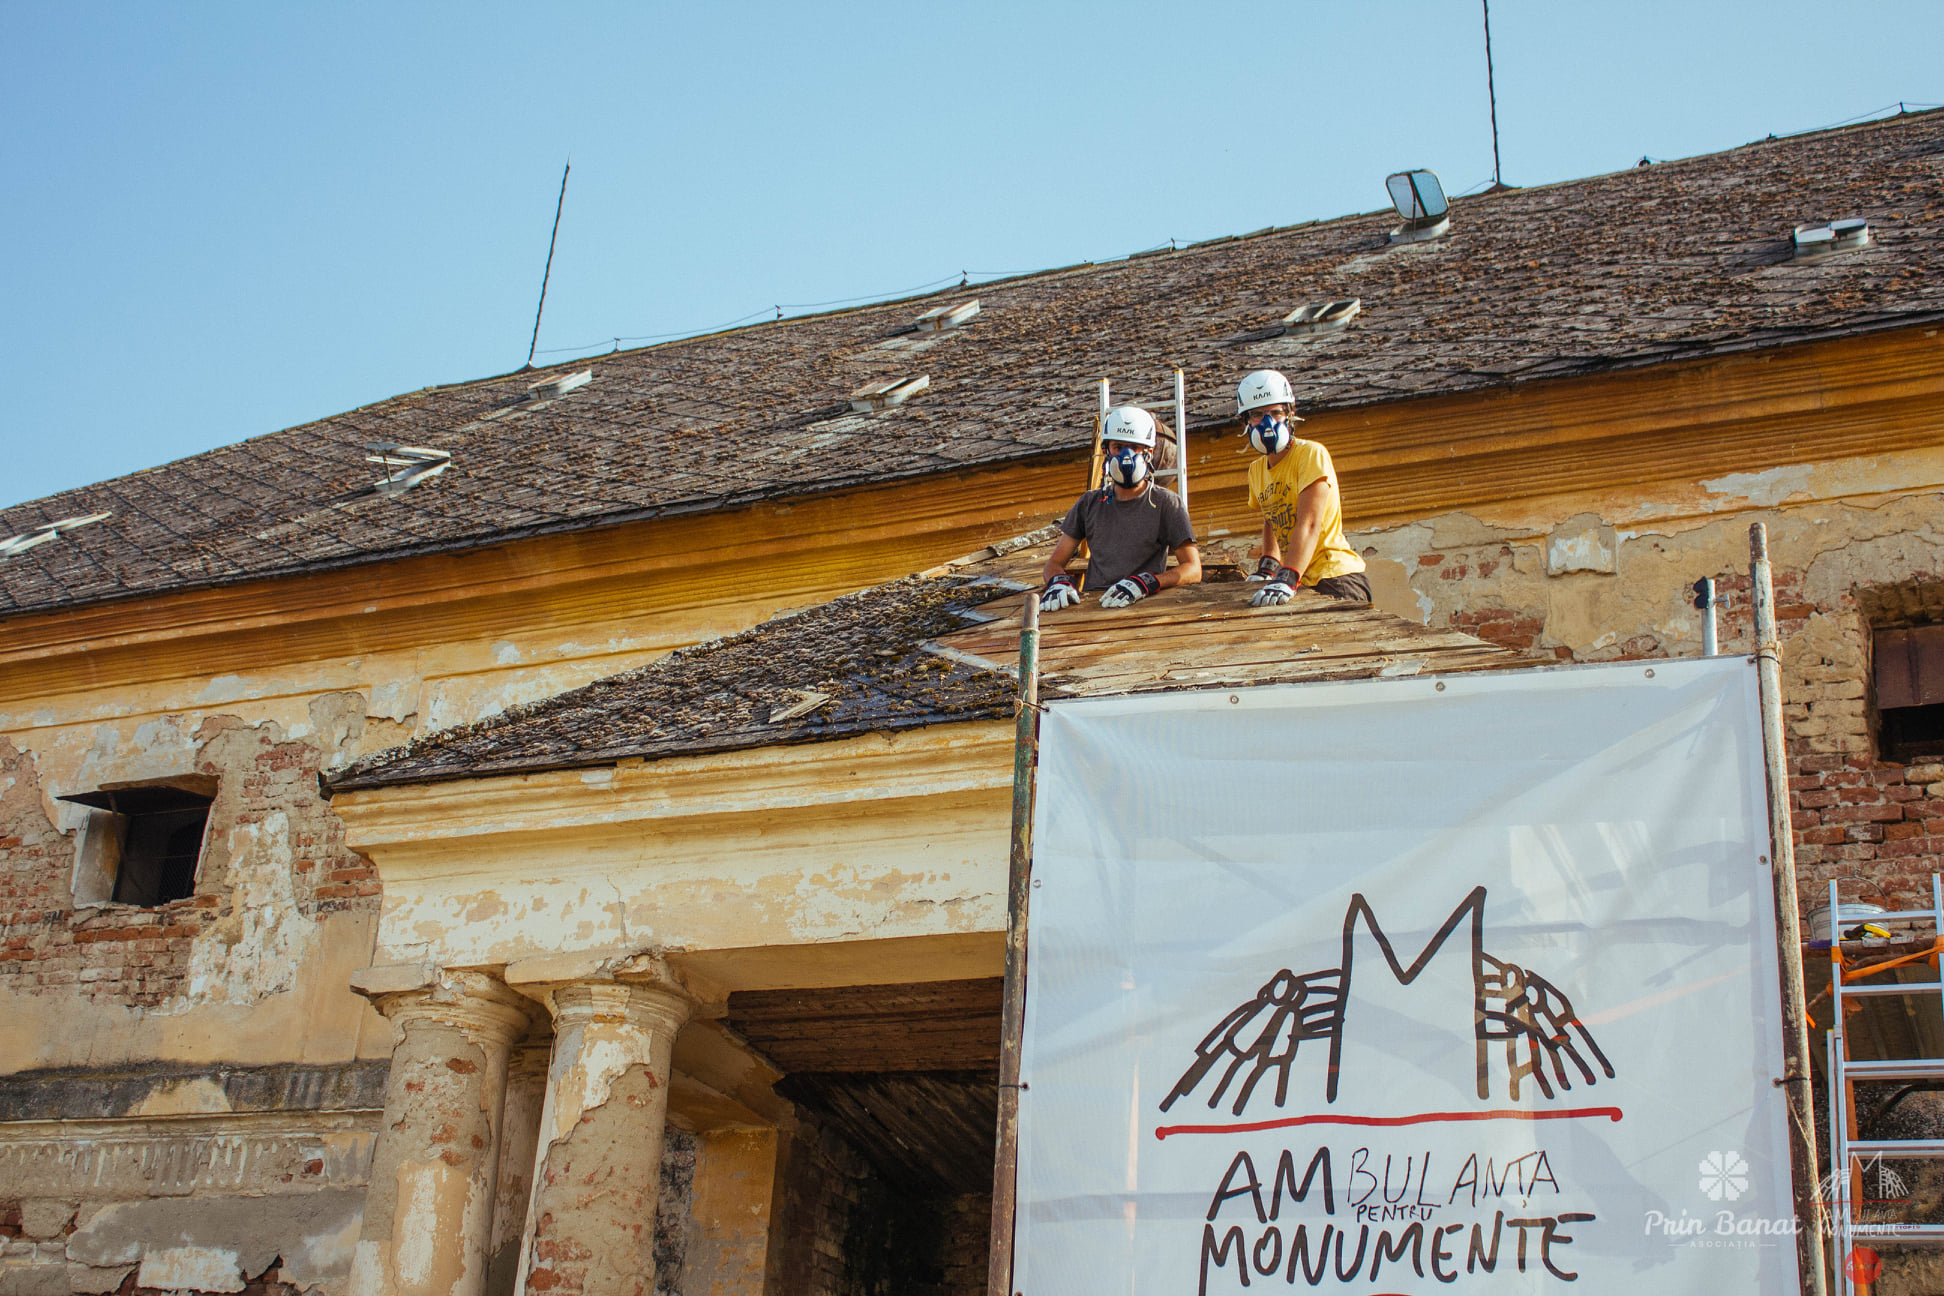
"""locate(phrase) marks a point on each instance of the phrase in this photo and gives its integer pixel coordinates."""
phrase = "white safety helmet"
(1129, 423)
(1264, 387)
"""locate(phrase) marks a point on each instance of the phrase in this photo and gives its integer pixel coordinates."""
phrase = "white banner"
(1406, 986)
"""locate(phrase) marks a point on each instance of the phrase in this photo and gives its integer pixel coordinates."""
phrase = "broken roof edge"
(393, 766)
(331, 786)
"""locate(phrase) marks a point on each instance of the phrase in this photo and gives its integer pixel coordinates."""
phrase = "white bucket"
(1847, 915)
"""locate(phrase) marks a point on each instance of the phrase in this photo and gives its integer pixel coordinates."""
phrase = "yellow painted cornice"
(405, 826)
(1672, 424)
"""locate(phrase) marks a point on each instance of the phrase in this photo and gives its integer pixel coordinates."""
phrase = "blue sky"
(223, 219)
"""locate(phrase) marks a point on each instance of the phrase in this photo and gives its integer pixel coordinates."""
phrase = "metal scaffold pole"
(1788, 925)
(1012, 1023)
(1181, 437)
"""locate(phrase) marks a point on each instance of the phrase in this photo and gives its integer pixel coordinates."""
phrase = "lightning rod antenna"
(1491, 91)
(548, 272)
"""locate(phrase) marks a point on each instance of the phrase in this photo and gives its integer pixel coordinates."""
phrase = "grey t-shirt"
(1127, 536)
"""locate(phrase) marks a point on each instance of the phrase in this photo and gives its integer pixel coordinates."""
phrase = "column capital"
(650, 1006)
(636, 982)
(477, 1003)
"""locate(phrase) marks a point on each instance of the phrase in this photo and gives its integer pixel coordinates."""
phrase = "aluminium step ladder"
(1096, 476)
(1849, 1155)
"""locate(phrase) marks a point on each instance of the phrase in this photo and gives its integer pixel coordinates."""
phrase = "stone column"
(526, 1096)
(591, 1222)
(429, 1210)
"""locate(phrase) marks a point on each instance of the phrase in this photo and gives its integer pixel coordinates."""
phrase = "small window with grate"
(142, 843)
(1909, 669)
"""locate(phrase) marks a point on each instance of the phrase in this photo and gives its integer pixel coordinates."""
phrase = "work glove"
(1282, 587)
(1125, 593)
(1060, 592)
(1266, 568)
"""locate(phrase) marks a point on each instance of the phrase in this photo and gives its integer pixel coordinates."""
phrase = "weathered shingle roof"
(863, 655)
(921, 651)
(1668, 262)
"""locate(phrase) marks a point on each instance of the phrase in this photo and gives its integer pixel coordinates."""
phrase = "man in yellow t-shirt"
(1294, 484)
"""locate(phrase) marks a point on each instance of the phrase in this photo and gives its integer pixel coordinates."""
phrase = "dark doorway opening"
(902, 1083)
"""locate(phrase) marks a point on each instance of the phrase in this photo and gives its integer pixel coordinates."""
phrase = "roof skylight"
(889, 392)
(1420, 202)
(940, 318)
(46, 531)
(405, 466)
(1323, 317)
(1834, 236)
(558, 385)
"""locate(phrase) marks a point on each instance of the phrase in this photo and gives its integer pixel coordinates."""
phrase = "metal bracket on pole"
(1788, 925)
(1005, 1164)
(1706, 601)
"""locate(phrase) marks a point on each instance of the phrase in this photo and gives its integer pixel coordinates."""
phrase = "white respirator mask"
(1127, 467)
(1269, 434)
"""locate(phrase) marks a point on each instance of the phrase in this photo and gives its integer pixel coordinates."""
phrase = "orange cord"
(1871, 969)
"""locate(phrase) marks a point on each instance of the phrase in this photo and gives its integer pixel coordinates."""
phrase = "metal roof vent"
(1323, 317)
(1835, 236)
(940, 318)
(889, 392)
(1420, 201)
(46, 531)
(559, 385)
(405, 466)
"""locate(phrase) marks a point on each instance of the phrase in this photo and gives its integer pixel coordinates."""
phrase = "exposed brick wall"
(1502, 626)
(838, 1228)
(139, 957)
(1875, 826)
(1871, 824)
(967, 1244)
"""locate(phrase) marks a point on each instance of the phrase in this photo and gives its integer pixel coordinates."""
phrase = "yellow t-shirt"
(1274, 491)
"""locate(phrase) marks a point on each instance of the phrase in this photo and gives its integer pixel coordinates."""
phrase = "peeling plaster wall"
(132, 1027)
(725, 1217)
(250, 968)
(179, 1187)
(253, 967)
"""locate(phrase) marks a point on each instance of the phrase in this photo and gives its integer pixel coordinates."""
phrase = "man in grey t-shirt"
(1129, 526)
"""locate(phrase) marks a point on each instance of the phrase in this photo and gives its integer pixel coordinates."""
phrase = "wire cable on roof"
(1897, 109)
(850, 301)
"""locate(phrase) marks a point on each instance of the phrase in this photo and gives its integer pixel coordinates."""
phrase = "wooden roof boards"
(1207, 636)
(919, 1026)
